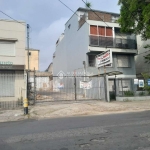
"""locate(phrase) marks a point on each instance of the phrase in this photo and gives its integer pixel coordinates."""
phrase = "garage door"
(7, 84)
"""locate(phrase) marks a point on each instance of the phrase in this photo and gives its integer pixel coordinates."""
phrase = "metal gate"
(56, 88)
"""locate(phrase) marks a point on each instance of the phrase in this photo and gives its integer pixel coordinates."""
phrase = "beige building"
(12, 59)
(33, 59)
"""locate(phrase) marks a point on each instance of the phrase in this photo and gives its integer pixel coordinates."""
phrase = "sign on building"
(136, 81)
(148, 82)
(85, 84)
(104, 58)
(141, 83)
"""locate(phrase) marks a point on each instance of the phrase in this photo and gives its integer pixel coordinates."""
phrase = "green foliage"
(88, 5)
(134, 17)
(146, 86)
(128, 93)
(141, 94)
(147, 57)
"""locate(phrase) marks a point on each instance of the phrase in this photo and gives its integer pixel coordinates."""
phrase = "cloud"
(45, 41)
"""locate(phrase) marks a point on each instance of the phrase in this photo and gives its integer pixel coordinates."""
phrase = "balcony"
(99, 41)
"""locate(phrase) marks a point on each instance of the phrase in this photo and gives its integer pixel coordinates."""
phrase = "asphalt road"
(130, 131)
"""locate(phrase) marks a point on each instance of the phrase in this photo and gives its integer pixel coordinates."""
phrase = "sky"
(47, 20)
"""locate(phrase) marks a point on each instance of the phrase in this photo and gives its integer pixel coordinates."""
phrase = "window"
(125, 85)
(101, 31)
(108, 31)
(7, 48)
(92, 60)
(93, 30)
(123, 61)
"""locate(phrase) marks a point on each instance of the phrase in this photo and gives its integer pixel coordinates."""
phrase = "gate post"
(75, 88)
(34, 86)
(106, 88)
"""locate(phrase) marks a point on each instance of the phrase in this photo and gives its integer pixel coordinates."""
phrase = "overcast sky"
(47, 19)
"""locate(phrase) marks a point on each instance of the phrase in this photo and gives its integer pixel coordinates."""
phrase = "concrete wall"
(14, 30)
(33, 59)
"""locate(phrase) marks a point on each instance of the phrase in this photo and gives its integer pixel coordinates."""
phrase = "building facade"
(141, 65)
(89, 33)
(33, 59)
(12, 59)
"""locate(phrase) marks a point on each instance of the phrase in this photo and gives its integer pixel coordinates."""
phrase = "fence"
(11, 104)
(126, 88)
(55, 88)
(11, 89)
(112, 42)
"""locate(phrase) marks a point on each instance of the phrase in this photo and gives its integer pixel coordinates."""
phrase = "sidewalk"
(69, 109)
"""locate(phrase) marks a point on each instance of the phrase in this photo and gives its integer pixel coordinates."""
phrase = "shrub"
(141, 94)
(128, 93)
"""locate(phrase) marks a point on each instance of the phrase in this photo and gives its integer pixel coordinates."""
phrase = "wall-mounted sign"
(12, 67)
(141, 83)
(136, 81)
(85, 84)
(104, 58)
(6, 63)
(148, 82)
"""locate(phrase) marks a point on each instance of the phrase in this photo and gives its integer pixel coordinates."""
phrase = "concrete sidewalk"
(75, 108)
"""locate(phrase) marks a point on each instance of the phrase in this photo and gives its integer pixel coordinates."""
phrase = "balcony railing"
(99, 41)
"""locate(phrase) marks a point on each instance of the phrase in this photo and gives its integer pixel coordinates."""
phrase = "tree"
(135, 17)
(88, 5)
(147, 57)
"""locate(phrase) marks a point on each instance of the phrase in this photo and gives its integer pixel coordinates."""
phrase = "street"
(129, 131)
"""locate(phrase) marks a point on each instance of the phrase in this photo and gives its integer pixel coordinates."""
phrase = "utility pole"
(26, 100)
(28, 27)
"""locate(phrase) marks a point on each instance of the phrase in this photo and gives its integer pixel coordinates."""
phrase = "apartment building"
(89, 33)
(12, 59)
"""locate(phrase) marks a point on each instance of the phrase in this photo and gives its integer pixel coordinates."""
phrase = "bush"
(141, 94)
(128, 93)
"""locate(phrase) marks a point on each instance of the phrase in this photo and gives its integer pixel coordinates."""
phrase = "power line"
(11, 18)
(108, 25)
(85, 20)
(102, 19)
(89, 24)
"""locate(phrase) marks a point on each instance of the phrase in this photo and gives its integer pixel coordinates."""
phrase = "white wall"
(71, 51)
(14, 30)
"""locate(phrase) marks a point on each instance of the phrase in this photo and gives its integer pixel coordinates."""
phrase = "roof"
(86, 9)
(31, 49)
(17, 21)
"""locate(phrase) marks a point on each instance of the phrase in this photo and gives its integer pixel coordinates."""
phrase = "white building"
(87, 35)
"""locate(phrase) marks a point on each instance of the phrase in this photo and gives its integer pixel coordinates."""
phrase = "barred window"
(125, 85)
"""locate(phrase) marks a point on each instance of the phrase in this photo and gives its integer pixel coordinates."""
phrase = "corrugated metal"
(7, 48)
(7, 84)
